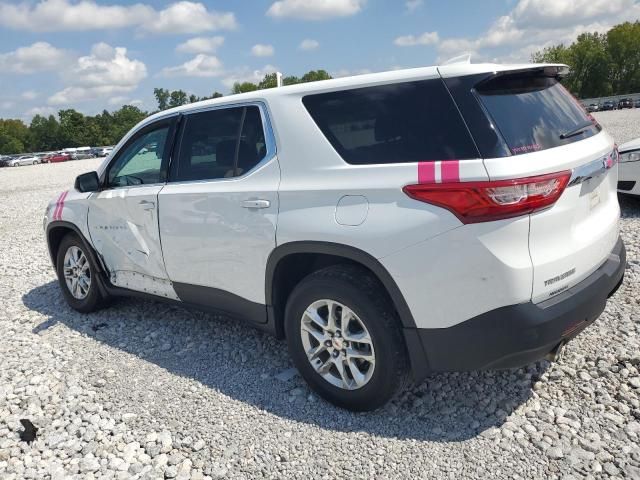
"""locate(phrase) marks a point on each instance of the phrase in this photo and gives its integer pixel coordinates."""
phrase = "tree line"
(70, 128)
(602, 64)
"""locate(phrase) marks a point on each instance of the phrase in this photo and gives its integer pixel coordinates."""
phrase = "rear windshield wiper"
(576, 131)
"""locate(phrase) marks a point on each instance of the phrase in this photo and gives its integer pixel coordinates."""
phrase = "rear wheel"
(344, 338)
(77, 275)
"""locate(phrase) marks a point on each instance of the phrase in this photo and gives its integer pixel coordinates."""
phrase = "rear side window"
(534, 112)
(221, 143)
(397, 123)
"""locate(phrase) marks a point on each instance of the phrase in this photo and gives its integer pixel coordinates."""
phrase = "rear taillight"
(474, 202)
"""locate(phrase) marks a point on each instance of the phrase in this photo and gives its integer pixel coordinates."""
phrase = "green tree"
(162, 97)
(124, 120)
(9, 144)
(244, 87)
(623, 49)
(178, 98)
(589, 66)
(315, 75)
(45, 133)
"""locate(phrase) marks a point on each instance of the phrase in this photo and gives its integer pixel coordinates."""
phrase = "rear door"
(547, 131)
(219, 209)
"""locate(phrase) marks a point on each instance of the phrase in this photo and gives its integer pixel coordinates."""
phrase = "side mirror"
(87, 182)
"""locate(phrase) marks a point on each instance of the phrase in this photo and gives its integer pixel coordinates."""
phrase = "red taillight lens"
(474, 202)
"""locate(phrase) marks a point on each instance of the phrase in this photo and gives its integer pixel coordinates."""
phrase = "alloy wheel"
(338, 344)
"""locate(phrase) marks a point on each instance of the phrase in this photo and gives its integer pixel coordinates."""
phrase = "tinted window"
(140, 161)
(535, 112)
(404, 122)
(220, 143)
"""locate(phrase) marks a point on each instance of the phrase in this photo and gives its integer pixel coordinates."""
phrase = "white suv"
(388, 225)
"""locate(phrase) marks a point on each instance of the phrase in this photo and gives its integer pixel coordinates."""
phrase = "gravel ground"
(146, 390)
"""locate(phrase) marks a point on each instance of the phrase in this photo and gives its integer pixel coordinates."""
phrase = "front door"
(123, 216)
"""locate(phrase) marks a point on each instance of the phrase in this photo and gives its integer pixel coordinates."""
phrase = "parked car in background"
(58, 157)
(629, 171)
(636, 104)
(594, 107)
(103, 151)
(608, 105)
(625, 103)
(3, 160)
(82, 155)
(424, 244)
(23, 160)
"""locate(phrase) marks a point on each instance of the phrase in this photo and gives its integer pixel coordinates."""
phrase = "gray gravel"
(145, 390)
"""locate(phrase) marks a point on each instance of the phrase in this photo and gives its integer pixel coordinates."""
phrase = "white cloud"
(65, 15)
(412, 5)
(427, 38)
(106, 72)
(563, 12)
(189, 17)
(315, 10)
(349, 73)
(308, 44)
(44, 111)
(200, 66)
(534, 24)
(30, 95)
(200, 45)
(39, 57)
(246, 75)
(260, 50)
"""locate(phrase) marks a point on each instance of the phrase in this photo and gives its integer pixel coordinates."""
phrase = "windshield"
(534, 112)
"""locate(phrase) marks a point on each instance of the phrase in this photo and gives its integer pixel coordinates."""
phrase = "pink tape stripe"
(55, 210)
(450, 171)
(57, 215)
(426, 172)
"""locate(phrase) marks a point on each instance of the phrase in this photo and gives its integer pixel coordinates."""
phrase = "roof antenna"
(278, 79)
(465, 58)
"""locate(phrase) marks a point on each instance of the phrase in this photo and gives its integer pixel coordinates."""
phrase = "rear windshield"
(402, 122)
(535, 112)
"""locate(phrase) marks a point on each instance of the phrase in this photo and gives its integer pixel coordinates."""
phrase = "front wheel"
(77, 275)
(344, 338)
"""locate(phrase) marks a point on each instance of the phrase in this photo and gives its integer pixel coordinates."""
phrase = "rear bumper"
(516, 335)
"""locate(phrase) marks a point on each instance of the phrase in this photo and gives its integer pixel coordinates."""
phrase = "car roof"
(451, 70)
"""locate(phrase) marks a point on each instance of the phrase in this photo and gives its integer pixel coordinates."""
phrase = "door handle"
(147, 205)
(256, 203)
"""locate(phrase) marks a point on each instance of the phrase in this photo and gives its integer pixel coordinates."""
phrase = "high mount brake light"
(474, 202)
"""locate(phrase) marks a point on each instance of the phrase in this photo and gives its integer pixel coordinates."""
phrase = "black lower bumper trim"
(517, 335)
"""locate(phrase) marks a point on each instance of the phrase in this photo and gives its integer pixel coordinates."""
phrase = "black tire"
(357, 289)
(93, 300)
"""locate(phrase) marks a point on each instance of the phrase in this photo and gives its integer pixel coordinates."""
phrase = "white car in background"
(629, 171)
(24, 160)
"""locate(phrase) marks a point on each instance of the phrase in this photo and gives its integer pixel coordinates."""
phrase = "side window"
(395, 123)
(140, 161)
(221, 143)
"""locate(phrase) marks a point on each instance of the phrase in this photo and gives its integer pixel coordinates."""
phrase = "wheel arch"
(57, 230)
(289, 263)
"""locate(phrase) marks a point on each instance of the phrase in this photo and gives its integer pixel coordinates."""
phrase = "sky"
(94, 55)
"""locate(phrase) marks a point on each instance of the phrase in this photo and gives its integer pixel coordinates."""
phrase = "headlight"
(630, 156)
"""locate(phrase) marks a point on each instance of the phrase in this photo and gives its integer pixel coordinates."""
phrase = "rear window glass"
(403, 122)
(534, 113)
(220, 143)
